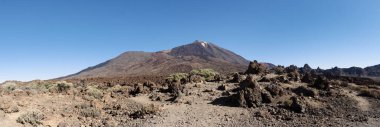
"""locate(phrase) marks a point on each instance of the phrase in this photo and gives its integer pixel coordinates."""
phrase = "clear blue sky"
(42, 39)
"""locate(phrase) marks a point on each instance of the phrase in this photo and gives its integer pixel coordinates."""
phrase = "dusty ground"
(203, 106)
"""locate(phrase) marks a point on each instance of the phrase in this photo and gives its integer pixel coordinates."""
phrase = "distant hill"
(372, 71)
(197, 55)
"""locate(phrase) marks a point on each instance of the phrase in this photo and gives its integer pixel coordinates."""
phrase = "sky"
(44, 39)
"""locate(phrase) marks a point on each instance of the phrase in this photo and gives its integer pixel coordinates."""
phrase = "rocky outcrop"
(322, 83)
(250, 93)
(256, 68)
(293, 73)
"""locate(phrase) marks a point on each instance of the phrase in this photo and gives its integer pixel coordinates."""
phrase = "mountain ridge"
(184, 58)
(370, 71)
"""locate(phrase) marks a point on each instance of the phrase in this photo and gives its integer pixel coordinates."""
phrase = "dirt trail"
(9, 120)
(200, 114)
(197, 111)
(362, 103)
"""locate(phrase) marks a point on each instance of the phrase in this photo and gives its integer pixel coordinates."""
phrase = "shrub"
(146, 110)
(59, 87)
(34, 118)
(208, 74)
(63, 87)
(87, 110)
(9, 107)
(177, 77)
(370, 93)
(288, 103)
(8, 87)
(94, 92)
(43, 86)
(90, 112)
(119, 89)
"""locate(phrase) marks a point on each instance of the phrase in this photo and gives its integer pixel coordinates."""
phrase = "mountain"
(197, 55)
(372, 71)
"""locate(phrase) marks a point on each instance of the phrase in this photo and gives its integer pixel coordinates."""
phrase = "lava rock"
(297, 106)
(256, 68)
(322, 83)
(304, 91)
(275, 90)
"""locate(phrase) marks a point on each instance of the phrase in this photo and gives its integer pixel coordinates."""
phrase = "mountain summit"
(207, 50)
(197, 55)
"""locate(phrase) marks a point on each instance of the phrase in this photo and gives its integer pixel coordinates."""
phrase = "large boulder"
(282, 79)
(308, 78)
(251, 94)
(293, 73)
(306, 69)
(256, 68)
(176, 88)
(278, 70)
(322, 83)
(297, 105)
(275, 90)
(237, 78)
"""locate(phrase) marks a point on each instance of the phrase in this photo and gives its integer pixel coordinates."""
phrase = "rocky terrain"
(259, 96)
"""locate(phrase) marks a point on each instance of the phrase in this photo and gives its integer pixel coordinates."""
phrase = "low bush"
(58, 87)
(208, 74)
(177, 77)
(94, 92)
(9, 107)
(33, 118)
(8, 87)
(90, 112)
(87, 110)
(146, 110)
(370, 93)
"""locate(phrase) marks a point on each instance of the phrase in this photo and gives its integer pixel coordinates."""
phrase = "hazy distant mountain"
(196, 55)
(372, 71)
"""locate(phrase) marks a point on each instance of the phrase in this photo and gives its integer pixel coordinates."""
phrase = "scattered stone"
(304, 91)
(208, 90)
(223, 87)
(275, 90)
(282, 79)
(264, 79)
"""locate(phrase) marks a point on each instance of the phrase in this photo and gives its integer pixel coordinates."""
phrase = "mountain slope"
(196, 55)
